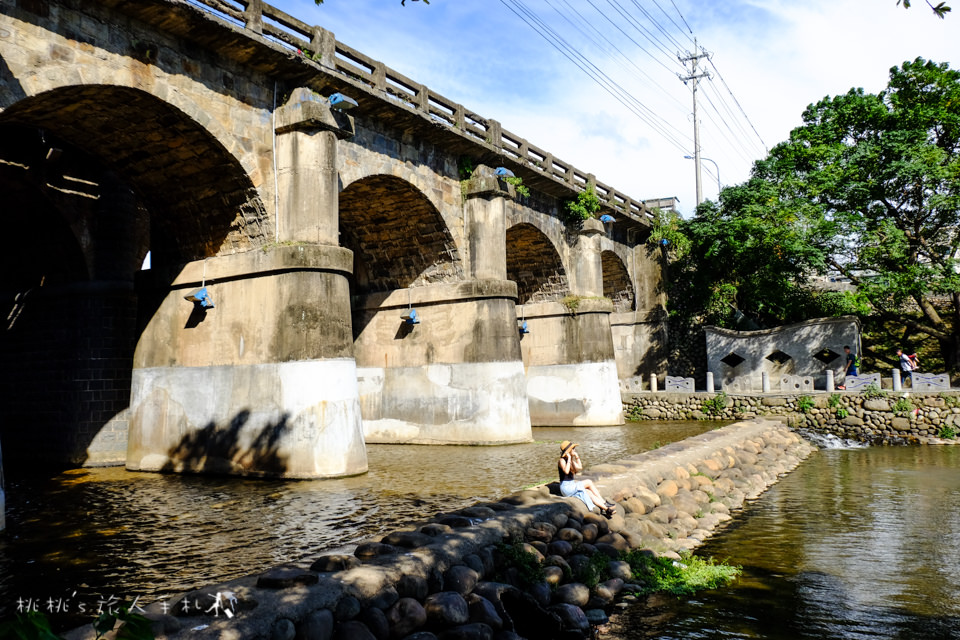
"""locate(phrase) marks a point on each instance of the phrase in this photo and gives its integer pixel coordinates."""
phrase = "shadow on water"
(108, 531)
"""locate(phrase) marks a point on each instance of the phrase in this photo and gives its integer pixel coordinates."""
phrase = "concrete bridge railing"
(201, 137)
(319, 46)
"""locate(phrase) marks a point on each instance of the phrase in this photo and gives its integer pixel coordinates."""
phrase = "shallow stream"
(89, 534)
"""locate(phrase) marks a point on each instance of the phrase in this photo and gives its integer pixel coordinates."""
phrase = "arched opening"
(399, 240)
(93, 179)
(397, 236)
(534, 264)
(617, 284)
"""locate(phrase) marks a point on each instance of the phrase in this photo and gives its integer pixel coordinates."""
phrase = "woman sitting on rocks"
(569, 466)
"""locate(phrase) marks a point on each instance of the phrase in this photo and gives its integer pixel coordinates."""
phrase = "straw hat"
(565, 446)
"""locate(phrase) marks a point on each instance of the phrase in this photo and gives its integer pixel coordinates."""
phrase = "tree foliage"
(868, 186)
(940, 9)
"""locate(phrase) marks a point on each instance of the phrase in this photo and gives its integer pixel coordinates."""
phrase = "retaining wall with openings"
(880, 417)
(448, 578)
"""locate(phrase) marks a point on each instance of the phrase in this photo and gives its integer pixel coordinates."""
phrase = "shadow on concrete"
(218, 450)
(10, 85)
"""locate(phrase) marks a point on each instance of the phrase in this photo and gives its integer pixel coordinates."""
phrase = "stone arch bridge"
(194, 135)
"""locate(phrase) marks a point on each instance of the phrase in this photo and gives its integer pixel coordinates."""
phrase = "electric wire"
(647, 33)
(584, 64)
(657, 25)
(743, 136)
(653, 40)
(638, 70)
(681, 17)
(653, 119)
(737, 102)
(664, 12)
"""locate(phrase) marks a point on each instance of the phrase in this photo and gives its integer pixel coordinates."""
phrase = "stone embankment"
(516, 568)
(879, 417)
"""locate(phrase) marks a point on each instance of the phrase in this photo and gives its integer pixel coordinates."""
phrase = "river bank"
(851, 545)
(448, 578)
(879, 417)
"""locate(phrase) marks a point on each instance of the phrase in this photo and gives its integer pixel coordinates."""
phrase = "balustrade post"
(495, 133)
(325, 44)
(253, 16)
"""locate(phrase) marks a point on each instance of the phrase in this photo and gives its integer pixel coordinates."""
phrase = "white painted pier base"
(462, 403)
(287, 420)
(581, 394)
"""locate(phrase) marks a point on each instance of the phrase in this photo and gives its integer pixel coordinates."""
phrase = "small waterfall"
(830, 441)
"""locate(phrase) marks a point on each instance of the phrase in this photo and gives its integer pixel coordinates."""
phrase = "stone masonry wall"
(450, 578)
(882, 417)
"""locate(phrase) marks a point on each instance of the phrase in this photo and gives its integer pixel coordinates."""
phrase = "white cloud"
(776, 56)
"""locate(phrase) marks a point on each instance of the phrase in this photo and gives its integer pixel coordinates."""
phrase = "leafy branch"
(940, 10)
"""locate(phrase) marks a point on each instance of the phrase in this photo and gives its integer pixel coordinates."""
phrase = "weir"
(669, 500)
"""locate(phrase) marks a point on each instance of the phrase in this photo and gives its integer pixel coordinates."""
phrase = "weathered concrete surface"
(454, 378)
(790, 349)
(170, 131)
(571, 372)
(664, 506)
(239, 391)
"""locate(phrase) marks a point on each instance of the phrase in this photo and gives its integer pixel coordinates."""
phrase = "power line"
(737, 102)
(584, 64)
(639, 71)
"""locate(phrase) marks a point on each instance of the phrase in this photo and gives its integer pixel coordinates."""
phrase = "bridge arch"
(399, 238)
(200, 195)
(617, 283)
(94, 176)
(534, 263)
(361, 165)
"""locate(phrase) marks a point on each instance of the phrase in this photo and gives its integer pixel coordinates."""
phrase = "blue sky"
(775, 56)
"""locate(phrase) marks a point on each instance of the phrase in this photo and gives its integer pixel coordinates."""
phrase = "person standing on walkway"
(853, 363)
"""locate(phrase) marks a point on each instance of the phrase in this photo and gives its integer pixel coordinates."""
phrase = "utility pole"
(693, 76)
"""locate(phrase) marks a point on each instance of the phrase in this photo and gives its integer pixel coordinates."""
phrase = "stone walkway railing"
(450, 579)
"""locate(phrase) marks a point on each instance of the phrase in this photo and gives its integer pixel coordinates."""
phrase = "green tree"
(868, 186)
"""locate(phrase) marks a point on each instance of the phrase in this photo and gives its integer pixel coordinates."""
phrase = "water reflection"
(854, 544)
(107, 531)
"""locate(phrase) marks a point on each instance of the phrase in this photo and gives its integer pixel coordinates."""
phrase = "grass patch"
(683, 578)
(715, 405)
(805, 404)
(947, 432)
(535, 484)
(594, 572)
(529, 569)
(873, 391)
(902, 406)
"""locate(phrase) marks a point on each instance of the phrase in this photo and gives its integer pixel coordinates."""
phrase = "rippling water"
(855, 544)
(102, 532)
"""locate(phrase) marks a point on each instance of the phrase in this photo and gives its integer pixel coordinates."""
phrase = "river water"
(854, 544)
(89, 534)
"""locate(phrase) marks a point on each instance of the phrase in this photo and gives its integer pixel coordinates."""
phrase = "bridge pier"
(568, 354)
(456, 377)
(264, 384)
